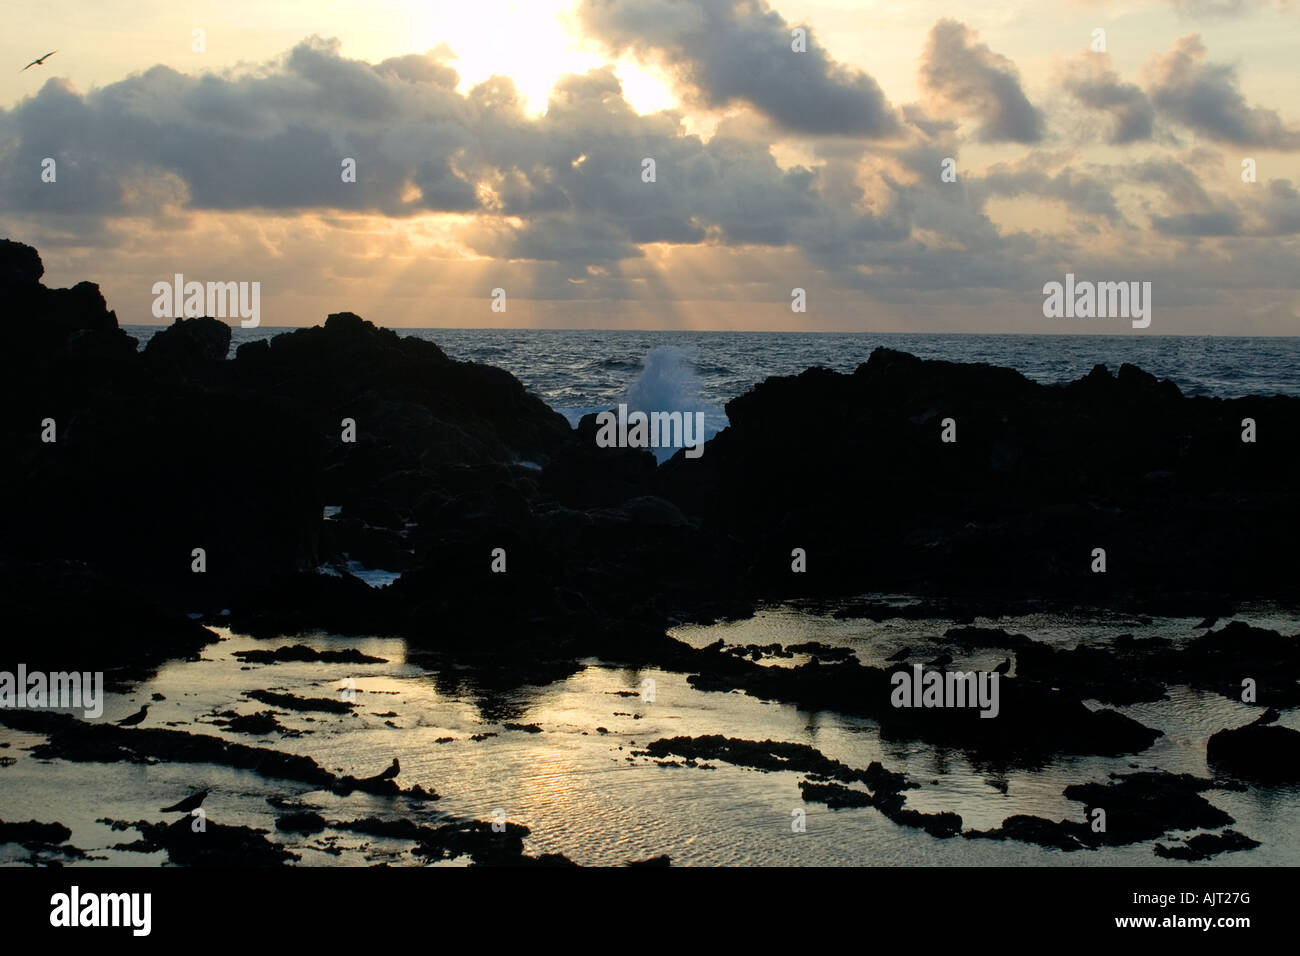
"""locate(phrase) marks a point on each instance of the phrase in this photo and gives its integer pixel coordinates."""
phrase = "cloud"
(1192, 212)
(1203, 96)
(1093, 83)
(463, 190)
(1217, 9)
(740, 51)
(971, 80)
(565, 187)
(1083, 193)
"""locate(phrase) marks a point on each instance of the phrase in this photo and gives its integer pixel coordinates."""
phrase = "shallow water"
(585, 794)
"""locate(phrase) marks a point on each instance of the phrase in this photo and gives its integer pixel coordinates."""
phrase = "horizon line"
(494, 328)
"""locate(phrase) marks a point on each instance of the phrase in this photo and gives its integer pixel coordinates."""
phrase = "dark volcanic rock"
(1205, 845)
(1137, 806)
(852, 469)
(300, 821)
(215, 845)
(1220, 660)
(256, 724)
(886, 787)
(1034, 720)
(32, 833)
(189, 345)
(81, 741)
(55, 612)
(1258, 751)
(301, 652)
(326, 705)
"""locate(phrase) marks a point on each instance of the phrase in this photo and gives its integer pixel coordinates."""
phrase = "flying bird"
(40, 62)
(190, 803)
(136, 718)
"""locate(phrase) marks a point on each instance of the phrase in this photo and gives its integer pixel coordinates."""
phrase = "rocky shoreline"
(179, 446)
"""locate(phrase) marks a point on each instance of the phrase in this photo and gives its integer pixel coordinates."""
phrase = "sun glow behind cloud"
(753, 197)
(531, 41)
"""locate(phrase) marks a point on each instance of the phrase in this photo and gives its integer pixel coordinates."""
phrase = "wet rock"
(1258, 751)
(1205, 845)
(81, 741)
(257, 724)
(301, 821)
(33, 834)
(1138, 807)
(326, 705)
(1220, 660)
(1144, 805)
(761, 755)
(305, 654)
(215, 845)
(1034, 720)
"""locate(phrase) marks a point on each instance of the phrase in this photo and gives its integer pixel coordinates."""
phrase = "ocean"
(581, 371)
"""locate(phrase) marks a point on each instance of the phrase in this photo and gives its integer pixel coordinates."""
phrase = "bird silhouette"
(1004, 668)
(192, 802)
(137, 717)
(900, 655)
(943, 660)
(390, 773)
(1267, 717)
(40, 62)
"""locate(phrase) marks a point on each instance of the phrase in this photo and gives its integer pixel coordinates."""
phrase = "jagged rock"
(1205, 845)
(189, 344)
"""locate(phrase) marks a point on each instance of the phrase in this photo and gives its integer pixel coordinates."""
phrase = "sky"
(916, 166)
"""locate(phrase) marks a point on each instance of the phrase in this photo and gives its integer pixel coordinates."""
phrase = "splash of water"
(668, 382)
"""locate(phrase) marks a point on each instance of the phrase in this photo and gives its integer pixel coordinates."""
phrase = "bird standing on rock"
(390, 773)
(900, 655)
(1004, 668)
(1266, 718)
(137, 717)
(190, 803)
(943, 660)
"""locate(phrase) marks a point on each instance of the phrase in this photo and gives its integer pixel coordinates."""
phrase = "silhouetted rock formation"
(851, 468)
(180, 447)
(1259, 751)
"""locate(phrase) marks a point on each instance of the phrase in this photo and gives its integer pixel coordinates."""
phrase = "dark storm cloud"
(971, 80)
(271, 141)
(570, 180)
(728, 51)
(1092, 82)
(1203, 96)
